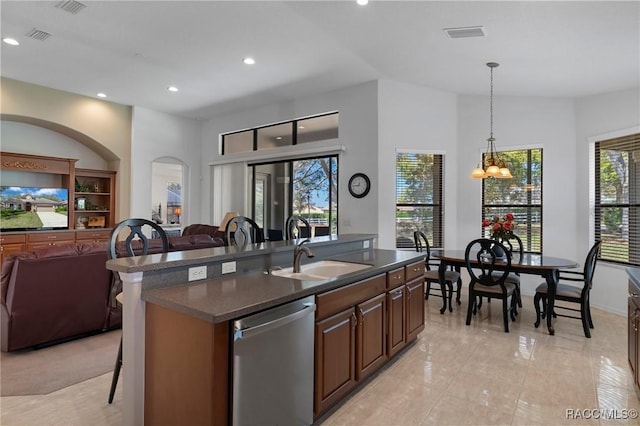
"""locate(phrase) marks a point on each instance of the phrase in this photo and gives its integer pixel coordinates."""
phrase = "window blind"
(419, 198)
(617, 199)
(520, 195)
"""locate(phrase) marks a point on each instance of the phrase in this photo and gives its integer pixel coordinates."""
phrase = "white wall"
(158, 135)
(357, 106)
(414, 118)
(602, 116)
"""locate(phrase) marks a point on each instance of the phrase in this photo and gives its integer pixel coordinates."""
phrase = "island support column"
(132, 350)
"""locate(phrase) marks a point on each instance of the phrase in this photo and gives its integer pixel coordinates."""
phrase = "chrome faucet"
(297, 254)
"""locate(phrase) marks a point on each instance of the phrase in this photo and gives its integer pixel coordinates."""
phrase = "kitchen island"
(176, 333)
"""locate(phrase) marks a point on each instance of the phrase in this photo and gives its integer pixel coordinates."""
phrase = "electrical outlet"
(198, 273)
(365, 244)
(228, 267)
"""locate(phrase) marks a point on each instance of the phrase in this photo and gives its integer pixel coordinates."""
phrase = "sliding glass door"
(304, 187)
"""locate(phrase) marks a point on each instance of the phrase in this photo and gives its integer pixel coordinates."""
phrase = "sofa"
(201, 228)
(60, 292)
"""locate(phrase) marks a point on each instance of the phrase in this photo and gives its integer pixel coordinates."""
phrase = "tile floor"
(453, 375)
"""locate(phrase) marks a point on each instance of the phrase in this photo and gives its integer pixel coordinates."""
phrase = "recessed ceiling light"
(300, 127)
(172, 88)
(11, 41)
(362, 2)
(249, 61)
(101, 95)
(278, 137)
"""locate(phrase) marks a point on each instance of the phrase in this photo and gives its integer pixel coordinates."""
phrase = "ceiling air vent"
(38, 34)
(464, 32)
(71, 6)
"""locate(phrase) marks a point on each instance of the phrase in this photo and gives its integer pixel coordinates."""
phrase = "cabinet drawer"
(395, 277)
(93, 235)
(414, 270)
(341, 298)
(38, 237)
(11, 239)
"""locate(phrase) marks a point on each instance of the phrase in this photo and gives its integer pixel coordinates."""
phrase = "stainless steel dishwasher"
(273, 366)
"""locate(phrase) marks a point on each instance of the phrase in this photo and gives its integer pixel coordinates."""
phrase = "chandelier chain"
(491, 106)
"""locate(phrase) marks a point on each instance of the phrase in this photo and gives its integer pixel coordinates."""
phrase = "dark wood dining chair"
(241, 231)
(488, 271)
(571, 293)
(135, 244)
(431, 274)
(513, 244)
(292, 228)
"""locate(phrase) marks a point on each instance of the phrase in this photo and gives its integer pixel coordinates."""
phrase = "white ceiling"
(133, 50)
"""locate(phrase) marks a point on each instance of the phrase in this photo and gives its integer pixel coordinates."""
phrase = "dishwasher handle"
(243, 333)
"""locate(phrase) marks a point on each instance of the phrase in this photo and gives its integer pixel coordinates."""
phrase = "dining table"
(527, 263)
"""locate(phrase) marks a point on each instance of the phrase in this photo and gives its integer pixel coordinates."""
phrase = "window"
(304, 187)
(520, 195)
(419, 198)
(617, 199)
(294, 132)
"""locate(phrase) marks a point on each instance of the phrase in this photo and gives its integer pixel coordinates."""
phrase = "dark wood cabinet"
(371, 332)
(634, 334)
(91, 203)
(360, 326)
(52, 238)
(335, 349)
(91, 235)
(396, 335)
(11, 244)
(415, 308)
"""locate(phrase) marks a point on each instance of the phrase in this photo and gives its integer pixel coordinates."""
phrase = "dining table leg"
(443, 285)
(552, 283)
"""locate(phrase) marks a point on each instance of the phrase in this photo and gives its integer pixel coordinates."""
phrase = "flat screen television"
(27, 208)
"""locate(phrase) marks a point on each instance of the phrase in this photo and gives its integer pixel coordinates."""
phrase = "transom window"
(617, 199)
(294, 132)
(520, 195)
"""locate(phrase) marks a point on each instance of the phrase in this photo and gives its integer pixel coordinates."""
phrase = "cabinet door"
(12, 243)
(637, 349)
(371, 349)
(634, 338)
(7, 249)
(396, 320)
(415, 308)
(334, 359)
(632, 327)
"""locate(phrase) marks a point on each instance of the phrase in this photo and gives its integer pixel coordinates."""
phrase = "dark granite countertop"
(177, 259)
(233, 296)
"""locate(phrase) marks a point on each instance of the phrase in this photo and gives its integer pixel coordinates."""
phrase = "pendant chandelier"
(493, 166)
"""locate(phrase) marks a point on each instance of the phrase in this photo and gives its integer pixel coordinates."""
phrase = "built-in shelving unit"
(91, 200)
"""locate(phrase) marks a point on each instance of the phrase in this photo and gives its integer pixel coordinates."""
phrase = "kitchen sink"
(322, 270)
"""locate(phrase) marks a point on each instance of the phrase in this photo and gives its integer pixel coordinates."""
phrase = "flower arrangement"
(500, 227)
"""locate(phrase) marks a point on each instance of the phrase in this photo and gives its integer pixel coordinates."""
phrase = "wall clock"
(359, 185)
